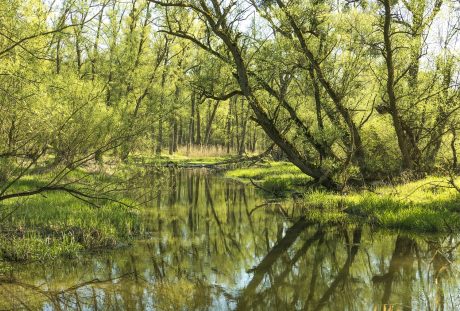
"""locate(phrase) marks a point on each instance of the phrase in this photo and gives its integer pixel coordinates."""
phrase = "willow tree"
(55, 112)
(266, 66)
(420, 100)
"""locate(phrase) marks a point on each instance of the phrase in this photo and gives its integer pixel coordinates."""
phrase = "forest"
(351, 92)
(347, 111)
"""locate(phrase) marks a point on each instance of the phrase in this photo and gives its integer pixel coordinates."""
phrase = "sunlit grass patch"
(275, 177)
(424, 205)
(265, 170)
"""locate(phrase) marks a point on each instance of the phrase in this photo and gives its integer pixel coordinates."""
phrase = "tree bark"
(198, 125)
(212, 115)
(403, 141)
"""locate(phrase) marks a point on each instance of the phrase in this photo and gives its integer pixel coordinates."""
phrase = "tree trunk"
(191, 125)
(254, 139)
(191, 132)
(403, 141)
(320, 175)
(175, 138)
(212, 115)
(229, 125)
(96, 44)
(171, 138)
(356, 149)
(237, 126)
(180, 140)
(198, 125)
(244, 122)
(159, 145)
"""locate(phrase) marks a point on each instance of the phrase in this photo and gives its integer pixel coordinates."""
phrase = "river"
(217, 244)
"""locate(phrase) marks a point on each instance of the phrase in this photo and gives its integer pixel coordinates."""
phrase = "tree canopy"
(348, 91)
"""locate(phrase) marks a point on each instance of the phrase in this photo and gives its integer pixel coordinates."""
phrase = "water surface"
(215, 244)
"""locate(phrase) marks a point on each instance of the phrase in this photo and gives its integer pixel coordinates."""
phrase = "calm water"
(215, 246)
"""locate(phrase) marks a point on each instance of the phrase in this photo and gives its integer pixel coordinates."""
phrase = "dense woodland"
(348, 91)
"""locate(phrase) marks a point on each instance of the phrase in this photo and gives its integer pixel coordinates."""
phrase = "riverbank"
(426, 205)
(44, 227)
(214, 238)
(59, 225)
(273, 178)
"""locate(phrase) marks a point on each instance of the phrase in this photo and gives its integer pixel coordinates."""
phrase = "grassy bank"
(56, 224)
(277, 178)
(428, 205)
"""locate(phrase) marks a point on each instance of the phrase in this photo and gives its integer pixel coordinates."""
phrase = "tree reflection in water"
(214, 246)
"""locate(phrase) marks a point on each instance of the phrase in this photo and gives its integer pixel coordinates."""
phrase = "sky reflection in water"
(213, 247)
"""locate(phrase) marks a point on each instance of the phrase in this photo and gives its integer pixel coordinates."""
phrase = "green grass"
(425, 206)
(276, 177)
(180, 159)
(56, 224)
(43, 228)
(34, 248)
